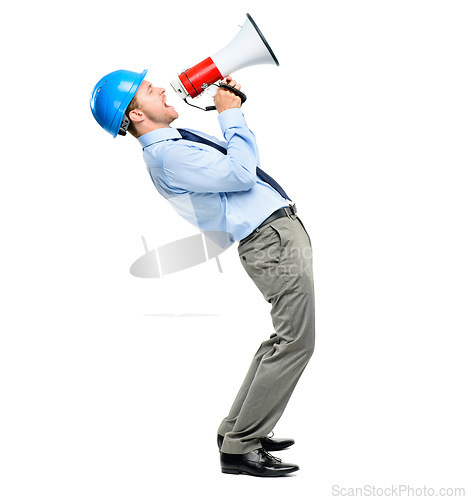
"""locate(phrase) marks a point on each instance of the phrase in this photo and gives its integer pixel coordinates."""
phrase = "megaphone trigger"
(212, 90)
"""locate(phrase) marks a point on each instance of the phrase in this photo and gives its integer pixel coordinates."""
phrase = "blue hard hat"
(111, 97)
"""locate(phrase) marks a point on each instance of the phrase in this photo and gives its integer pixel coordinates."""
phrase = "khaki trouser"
(278, 258)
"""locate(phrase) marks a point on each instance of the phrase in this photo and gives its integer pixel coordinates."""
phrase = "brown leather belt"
(281, 212)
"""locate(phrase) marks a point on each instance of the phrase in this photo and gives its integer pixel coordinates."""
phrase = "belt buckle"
(292, 209)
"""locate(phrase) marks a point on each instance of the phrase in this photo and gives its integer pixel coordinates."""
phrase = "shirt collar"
(158, 135)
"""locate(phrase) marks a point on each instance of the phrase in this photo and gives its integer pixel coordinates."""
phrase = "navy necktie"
(189, 136)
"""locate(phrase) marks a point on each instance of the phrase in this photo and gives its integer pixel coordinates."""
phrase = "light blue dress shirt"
(213, 191)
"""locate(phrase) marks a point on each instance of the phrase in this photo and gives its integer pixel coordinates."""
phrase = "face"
(152, 101)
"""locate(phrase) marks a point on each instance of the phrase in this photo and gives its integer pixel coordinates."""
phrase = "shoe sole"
(226, 470)
(230, 471)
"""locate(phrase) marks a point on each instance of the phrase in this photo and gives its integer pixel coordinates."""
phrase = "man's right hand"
(224, 99)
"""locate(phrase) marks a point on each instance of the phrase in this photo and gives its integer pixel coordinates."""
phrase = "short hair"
(132, 105)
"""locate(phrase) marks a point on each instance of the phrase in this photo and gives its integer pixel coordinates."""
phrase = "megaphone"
(248, 48)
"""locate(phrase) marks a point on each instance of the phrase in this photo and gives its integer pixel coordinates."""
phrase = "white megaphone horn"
(248, 48)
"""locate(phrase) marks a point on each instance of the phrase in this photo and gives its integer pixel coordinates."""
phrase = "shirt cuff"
(231, 118)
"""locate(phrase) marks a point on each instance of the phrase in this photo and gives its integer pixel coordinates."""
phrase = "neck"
(145, 127)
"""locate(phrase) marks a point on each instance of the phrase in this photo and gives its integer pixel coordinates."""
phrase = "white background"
(107, 390)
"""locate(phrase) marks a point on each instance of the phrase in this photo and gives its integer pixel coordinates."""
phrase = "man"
(218, 186)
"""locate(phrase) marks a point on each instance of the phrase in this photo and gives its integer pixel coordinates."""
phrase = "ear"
(136, 115)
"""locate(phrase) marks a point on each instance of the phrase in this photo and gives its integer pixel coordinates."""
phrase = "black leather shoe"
(255, 463)
(267, 443)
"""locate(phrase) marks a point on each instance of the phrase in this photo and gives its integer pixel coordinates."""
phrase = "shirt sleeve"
(199, 168)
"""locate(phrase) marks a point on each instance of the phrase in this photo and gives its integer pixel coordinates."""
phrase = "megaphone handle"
(240, 94)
